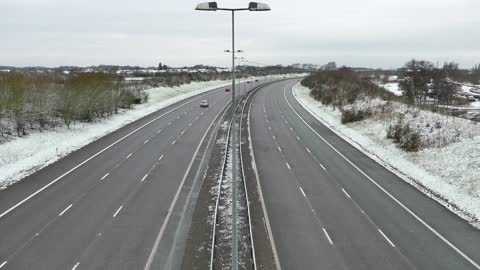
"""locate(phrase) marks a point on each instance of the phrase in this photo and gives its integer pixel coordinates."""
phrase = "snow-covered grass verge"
(447, 171)
(23, 156)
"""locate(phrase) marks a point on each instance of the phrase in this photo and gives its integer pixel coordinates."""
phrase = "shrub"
(411, 142)
(351, 115)
(404, 136)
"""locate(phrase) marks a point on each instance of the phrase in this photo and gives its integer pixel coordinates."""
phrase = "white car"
(204, 103)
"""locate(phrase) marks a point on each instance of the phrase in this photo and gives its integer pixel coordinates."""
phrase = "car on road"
(227, 89)
(204, 103)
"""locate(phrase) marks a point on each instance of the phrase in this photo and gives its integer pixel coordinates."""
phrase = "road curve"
(332, 207)
(107, 205)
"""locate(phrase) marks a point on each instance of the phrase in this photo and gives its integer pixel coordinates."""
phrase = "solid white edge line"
(105, 176)
(66, 209)
(465, 256)
(308, 150)
(146, 175)
(159, 131)
(328, 236)
(346, 194)
(288, 165)
(118, 211)
(388, 240)
(160, 158)
(3, 264)
(129, 155)
(174, 202)
(183, 132)
(76, 265)
(279, 149)
(274, 137)
(303, 192)
(260, 192)
(145, 142)
(174, 141)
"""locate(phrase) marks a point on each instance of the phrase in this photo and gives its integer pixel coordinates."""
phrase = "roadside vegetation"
(418, 119)
(40, 102)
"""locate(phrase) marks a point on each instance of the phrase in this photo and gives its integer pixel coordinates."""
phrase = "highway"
(113, 204)
(117, 203)
(329, 206)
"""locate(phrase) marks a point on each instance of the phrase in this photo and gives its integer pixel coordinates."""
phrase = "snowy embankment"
(23, 156)
(447, 170)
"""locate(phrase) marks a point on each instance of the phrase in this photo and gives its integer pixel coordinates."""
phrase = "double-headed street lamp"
(252, 6)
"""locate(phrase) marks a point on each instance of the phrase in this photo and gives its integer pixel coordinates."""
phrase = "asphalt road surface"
(114, 204)
(109, 205)
(332, 207)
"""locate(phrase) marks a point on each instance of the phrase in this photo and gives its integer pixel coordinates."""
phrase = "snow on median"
(448, 174)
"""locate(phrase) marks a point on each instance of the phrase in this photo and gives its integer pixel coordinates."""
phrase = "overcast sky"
(371, 33)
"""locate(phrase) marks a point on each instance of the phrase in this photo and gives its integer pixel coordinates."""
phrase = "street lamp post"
(240, 59)
(252, 6)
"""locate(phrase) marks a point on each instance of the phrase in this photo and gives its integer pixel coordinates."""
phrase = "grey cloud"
(382, 33)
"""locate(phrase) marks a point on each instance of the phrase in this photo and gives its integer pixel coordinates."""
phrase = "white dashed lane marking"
(388, 240)
(105, 176)
(346, 194)
(328, 236)
(76, 265)
(118, 211)
(66, 209)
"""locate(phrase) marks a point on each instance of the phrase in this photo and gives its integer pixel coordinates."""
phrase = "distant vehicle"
(471, 98)
(204, 103)
(227, 89)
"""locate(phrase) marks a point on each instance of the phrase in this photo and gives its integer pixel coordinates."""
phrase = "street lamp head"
(256, 6)
(207, 6)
